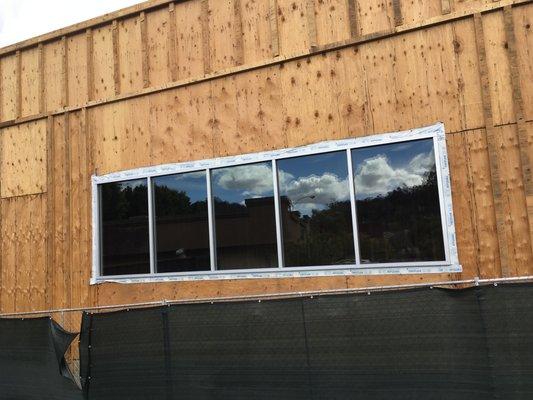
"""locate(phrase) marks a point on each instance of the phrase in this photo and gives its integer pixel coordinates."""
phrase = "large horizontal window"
(379, 203)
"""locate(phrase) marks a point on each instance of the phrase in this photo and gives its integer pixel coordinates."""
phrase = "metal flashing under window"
(436, 132)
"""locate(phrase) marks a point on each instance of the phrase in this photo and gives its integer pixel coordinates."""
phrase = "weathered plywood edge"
(360, 40)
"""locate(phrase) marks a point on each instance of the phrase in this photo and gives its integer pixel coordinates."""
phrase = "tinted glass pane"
(316, 210)
(398, 213)
(125, 242)
(244, 216)
(182, 230)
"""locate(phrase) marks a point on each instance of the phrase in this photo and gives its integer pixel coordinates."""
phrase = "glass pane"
(244, 216)
(182, 229)
(397, 199)
(125, 241)
(316, 210)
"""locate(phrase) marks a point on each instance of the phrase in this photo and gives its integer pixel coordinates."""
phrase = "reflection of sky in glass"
(238, 183)
(380, 169)
(313, 182)
(192, 183)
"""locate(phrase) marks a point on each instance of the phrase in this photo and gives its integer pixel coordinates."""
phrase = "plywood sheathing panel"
(374, 16)
(157, 26)
(222, 40)
(255, 16)
(332, 21)
(23, 168)
(416, 11)
(23, 273)
(53, 67)
(130, 55)
(104, 83)
(191, 28)
(181, 125)
(29, 82)
(292, 26)
(9, 87)
(77, 69)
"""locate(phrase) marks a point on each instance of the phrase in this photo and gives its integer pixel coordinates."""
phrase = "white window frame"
(436, 132)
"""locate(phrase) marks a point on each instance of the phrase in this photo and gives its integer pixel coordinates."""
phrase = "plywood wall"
(202, 78)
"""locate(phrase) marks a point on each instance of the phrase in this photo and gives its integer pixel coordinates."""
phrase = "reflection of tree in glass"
(403, 225)
(122, 202)
(325, 237)
(171, 202)
(227, 207)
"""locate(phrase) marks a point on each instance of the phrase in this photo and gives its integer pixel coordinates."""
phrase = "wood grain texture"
(472, 74)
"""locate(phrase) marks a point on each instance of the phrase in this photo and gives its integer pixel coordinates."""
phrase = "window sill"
(306, 272)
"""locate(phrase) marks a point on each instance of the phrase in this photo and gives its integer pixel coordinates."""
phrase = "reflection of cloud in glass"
(314, 192)
(252, 180)
(377, 175)
(132, 184)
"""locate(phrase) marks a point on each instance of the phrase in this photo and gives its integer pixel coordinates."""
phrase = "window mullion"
(277, 211)
(151, 226)
(211, 223)
(353, 205)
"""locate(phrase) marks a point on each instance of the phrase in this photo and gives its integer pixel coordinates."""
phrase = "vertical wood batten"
(206, 51)
(172, 45)
(64, 56)
(90, 64)
(352, 18)
(42, 83)
(397, 10)
(274, 32)
(116, 58)
(237, 26)
(311, 24)
(18, 100)
(521, 126)
(50, 220)
(144, 50)
(491, 145)
(67, 251)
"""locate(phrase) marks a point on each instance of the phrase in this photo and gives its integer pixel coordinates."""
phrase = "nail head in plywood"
(274, 32)
(172, 46)
(397, 9)
(116, 56)
(491, 145)
(144, 50)
(311, 23)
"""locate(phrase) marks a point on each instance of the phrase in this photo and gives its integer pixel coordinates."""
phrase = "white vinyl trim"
(449, 265)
